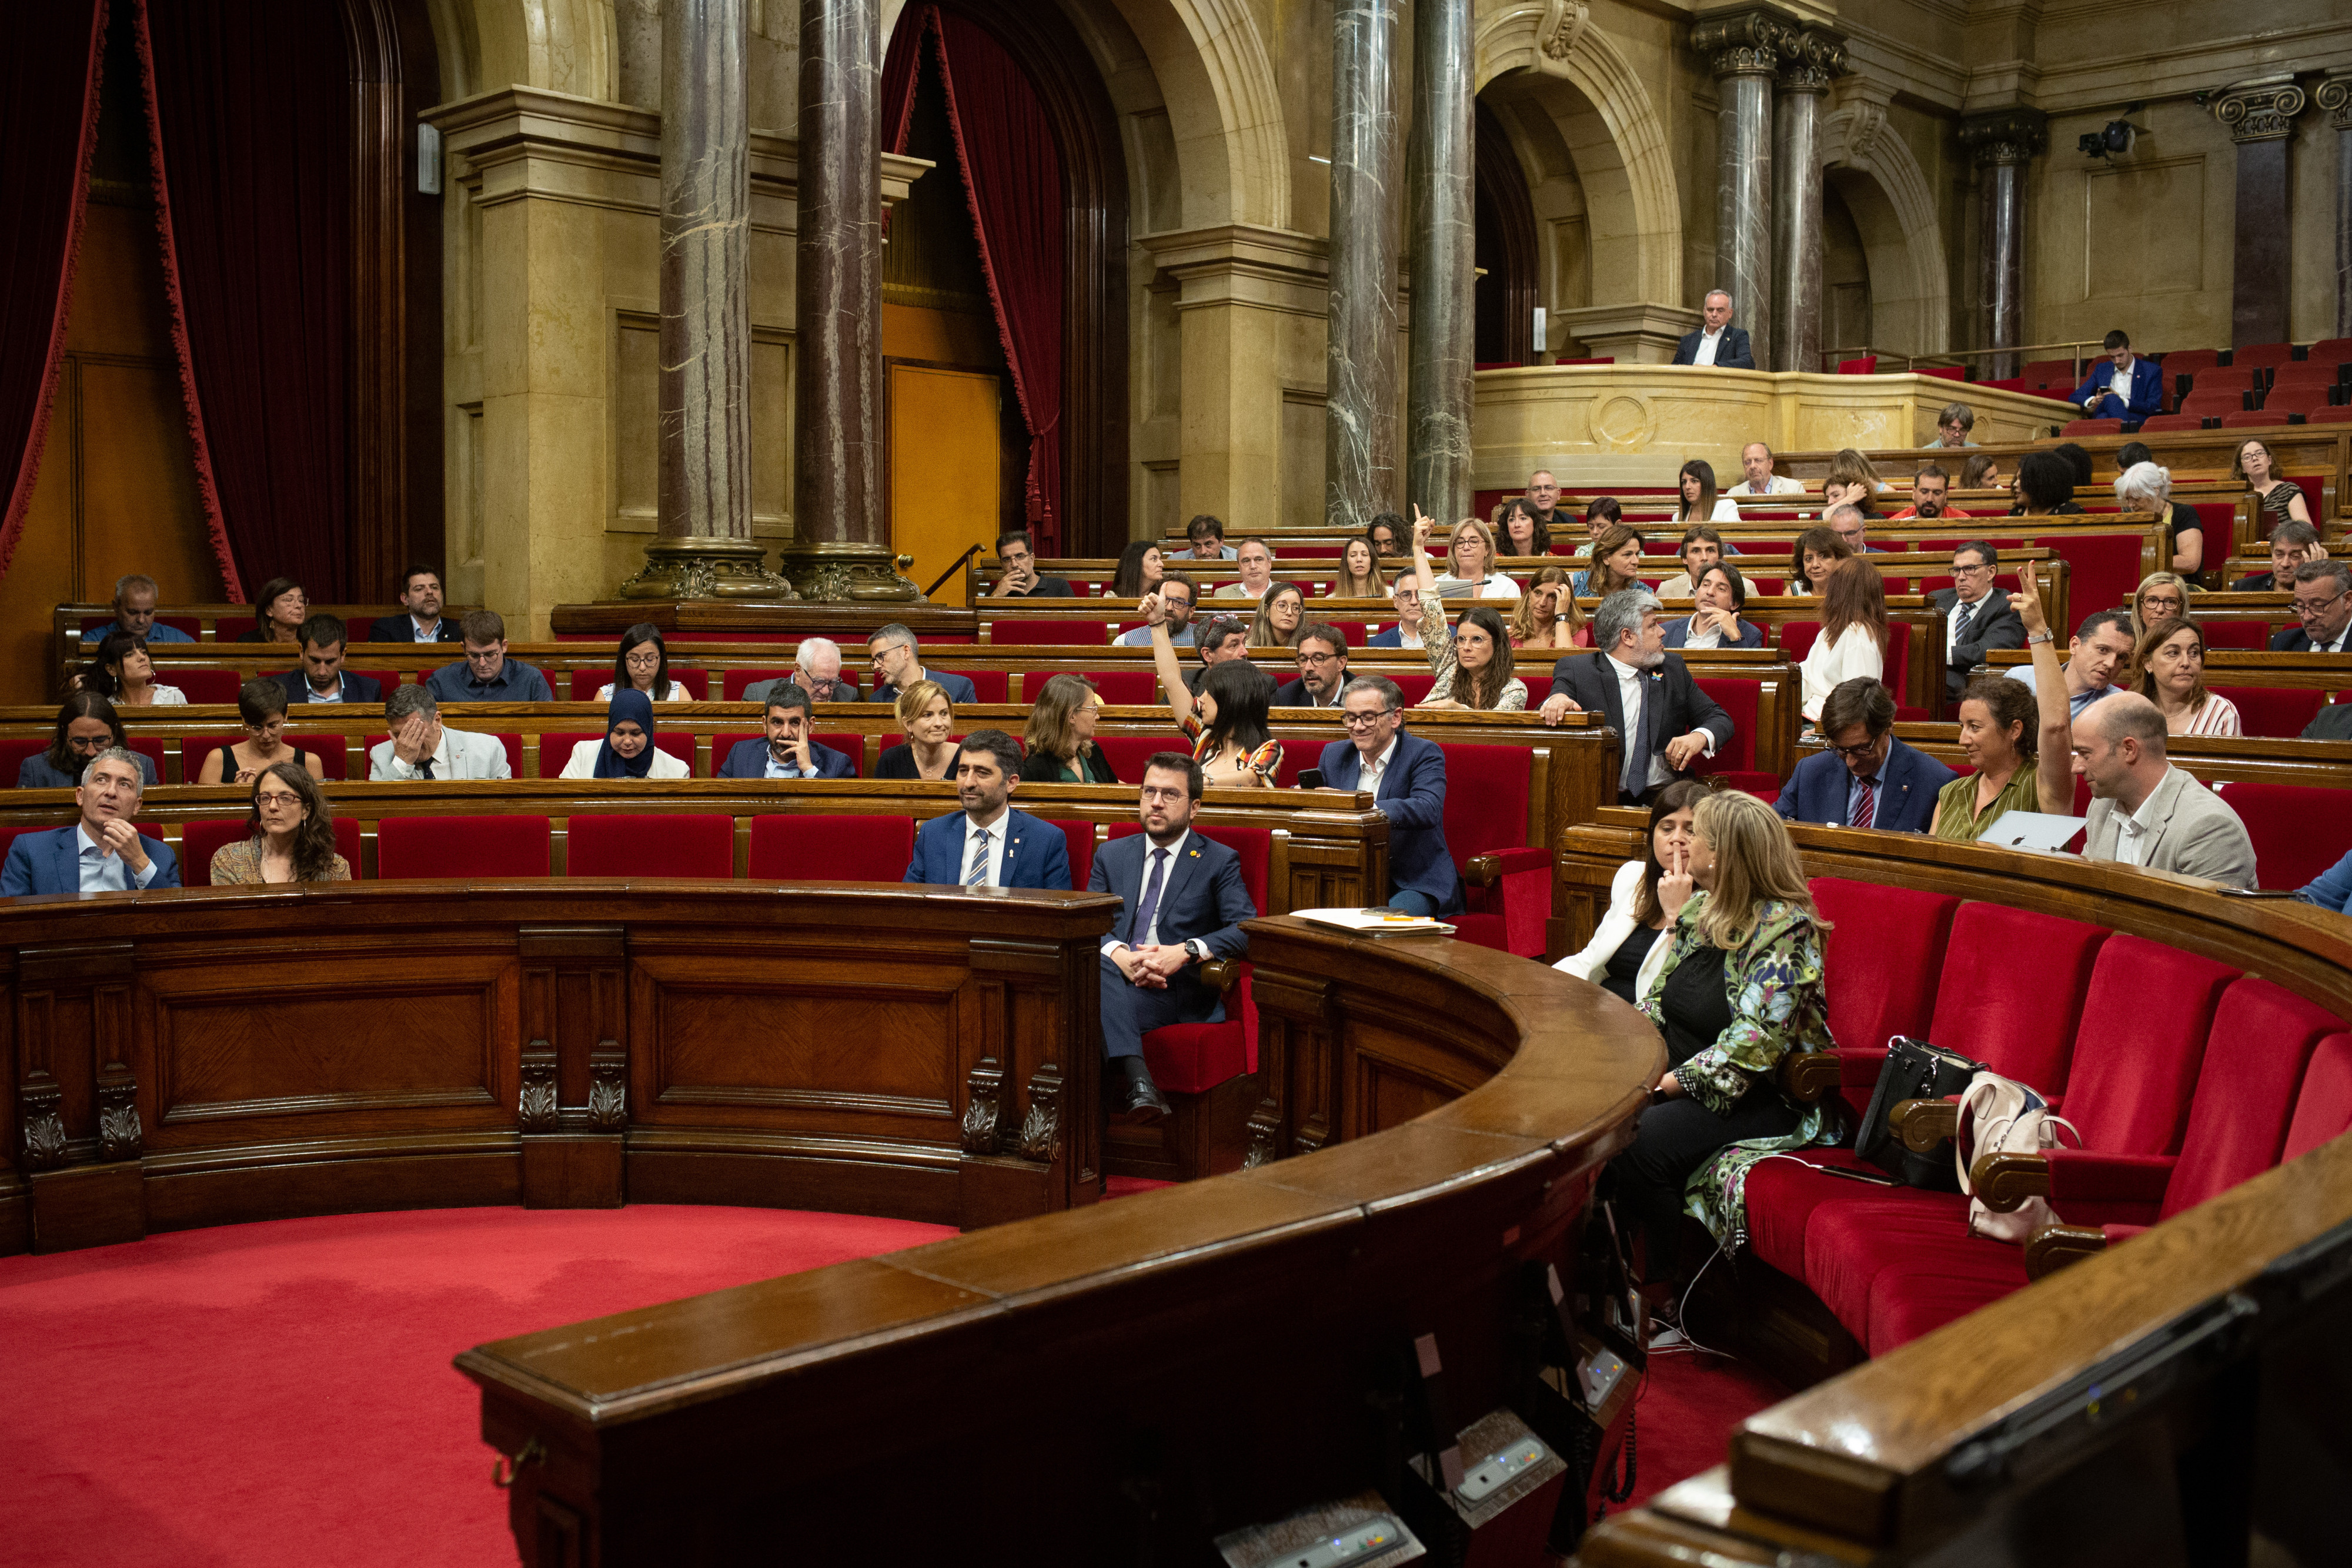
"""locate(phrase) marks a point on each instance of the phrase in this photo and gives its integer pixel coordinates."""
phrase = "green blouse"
(1956, 816)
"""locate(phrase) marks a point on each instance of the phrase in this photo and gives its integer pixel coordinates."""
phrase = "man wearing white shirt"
(1256, 560)
(2146, 812)
(1642, 692)
(1406, 633)
(1756, 462)
(422, 748)
(420, 599)
(103, 851)
(1719, 343)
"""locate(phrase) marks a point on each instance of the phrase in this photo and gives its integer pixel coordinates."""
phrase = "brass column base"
(706, 568)
(839, 573)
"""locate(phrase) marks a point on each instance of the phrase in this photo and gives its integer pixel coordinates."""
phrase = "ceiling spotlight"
(2114, 138)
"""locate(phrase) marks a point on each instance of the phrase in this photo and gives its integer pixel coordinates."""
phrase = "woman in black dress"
(928, 752)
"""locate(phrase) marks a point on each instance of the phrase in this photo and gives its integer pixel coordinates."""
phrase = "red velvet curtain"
(1012, 184)
(250, 113)
(48, 126)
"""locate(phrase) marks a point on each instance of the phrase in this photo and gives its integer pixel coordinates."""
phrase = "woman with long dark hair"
(1227, 723)
(1140, 567)
(290, 837)
(124, 672)
(1699, 502)
(1622, 945)
(1472, 661)
(1853, 641)
(2016, 738)
(642, 662)
(279, 611)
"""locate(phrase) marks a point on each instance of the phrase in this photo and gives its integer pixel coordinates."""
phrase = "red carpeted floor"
(1687, 1412)
(281, 1393)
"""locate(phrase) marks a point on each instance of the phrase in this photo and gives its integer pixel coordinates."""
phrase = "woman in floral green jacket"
(1739, 988)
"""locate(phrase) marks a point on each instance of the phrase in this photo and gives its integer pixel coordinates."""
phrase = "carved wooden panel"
(575, 1023)
(76, 1089)
(1297, 1053)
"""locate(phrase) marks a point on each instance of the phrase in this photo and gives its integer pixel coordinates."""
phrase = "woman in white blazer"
(1627, 949)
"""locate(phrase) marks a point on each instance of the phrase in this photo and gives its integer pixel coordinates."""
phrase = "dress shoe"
(1134, 1097)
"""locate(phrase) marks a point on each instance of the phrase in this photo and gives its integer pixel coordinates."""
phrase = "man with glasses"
(1019, 579)
(1643, 693)
(1543, 494)
(1405, 776)
(1975, 619)
(1405, 592)
(1756, 463)
(1866, 778)
(2101, 645)
(898, 663)
(1177, 595)
(1322, 669)
(2322, 608)
(487, 675)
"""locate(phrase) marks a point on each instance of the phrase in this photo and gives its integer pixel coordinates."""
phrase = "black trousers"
(1674, 1138)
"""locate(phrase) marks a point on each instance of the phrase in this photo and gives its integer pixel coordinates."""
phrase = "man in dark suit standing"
(1975, 619)
(102, 853)
(988, 843)
(422, 622)
(2322, 608)
(1720, 343)
(1184, 903)
(1645, 694)
(1406, 777)
(1867, 779)
(322, 678)
(787, 752)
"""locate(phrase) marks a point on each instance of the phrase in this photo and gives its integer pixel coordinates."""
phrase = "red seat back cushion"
(631, 844)
(1886, 950)
(2262, 1035)
(2323, 1106)
(843, 847)
(1079, 838)
(1486, 799)
(1797, 638)
(2279, 713)
(2010, 993)
(555, 747)
(2299, 831)
(733, 684)
(2253, 636)
(1127, 754)
(1126, 688)
(1738, 700)
(988, 685)
(409, 846)
(16, 749)
(216, 687)
(2146, 1019)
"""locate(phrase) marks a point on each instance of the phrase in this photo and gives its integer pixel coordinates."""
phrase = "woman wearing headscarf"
(627, 751)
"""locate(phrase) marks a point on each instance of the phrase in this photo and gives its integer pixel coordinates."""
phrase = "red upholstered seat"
(584, 683)
(479, 847)
(2101, 569)
(2047, 372)
(831, 848)
(1740, 701)
(1079, 839)
(1417, 687)
(1126, 688)
(16, 749)
(2147, 1018)
(1486, 813)
(2010, 993)
(1886, 947)
(199, 842)
(1010, 631)
(2281, 712)
(635, 844)
(2260, 355)
(2334, 414)
(1127, 753)
(2232, 378)
(331, 750)
(1862, 367)
(2323, 1106)
(2329, 351)
(733, 684)
(1195, 1058)
(2214, 403)
(2250, 635)
(555, 747)
(2299, 831)
(2259, 418)
(2006, 383)
(2305, 373)
(2091, 427)
(1797, 639)
(2172, 422)
(987, 686)
(216, 687)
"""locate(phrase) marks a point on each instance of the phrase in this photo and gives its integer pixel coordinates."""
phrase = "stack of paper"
(1376, 922)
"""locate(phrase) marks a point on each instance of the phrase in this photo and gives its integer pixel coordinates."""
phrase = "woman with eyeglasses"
(290, 837)
(279, 609)
(643, 663)
(262, 706)
(1474, 658)
(1058, 745)
(2161, 596)
(1280, 613)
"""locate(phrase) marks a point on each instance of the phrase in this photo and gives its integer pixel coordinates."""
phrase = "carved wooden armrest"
(2056, 1247)
(1923, 1123)
(2004, 1181)
(1807, 1076)
(1484, 870)
(1489, 869)
(1219, 974)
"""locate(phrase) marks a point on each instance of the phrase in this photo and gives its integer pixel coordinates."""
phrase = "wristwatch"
(1199, 949)
(2040, 637)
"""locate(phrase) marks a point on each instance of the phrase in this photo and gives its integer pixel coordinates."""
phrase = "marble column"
(2335, 95)
(1442, 350)
(1743, 50)
(839, 549)
(2261, 117)
(2002, 142)
(1808, 61)
(703, 546)
(1360, 377)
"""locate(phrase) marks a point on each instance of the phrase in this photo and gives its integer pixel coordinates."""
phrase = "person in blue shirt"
(2121, 387)
(485, 674)
(2332, 889)
(135, 612)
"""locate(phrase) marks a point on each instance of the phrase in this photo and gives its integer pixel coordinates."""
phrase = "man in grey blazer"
(2144, 810)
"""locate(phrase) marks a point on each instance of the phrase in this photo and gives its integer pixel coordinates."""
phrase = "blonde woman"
(1359, 574)
(1740, 987)
(926, 715)
(1280, 613)
(1472, 659)
(2161, 596)
(2168, 669)
(1470, 564)
(1059, 742)
(1546, 616)
(1616, 555)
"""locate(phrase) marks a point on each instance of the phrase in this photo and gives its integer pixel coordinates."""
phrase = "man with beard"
(988, 843)
(1644, 693)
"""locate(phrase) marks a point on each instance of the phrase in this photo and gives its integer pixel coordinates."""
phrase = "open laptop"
(2033, 831)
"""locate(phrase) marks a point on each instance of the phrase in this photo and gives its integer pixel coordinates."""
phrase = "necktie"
(424, 768)
(1636, 778)
(1865, 810)
(976, 873)
(1960, 623)
(1155, 881)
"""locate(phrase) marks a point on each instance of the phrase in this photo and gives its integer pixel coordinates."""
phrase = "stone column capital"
(2006, 135)
(2261, 111)
(1810, 60)
(2334, 94)
(1742, 43)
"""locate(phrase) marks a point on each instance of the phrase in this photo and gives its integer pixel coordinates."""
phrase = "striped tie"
(1865, 812)
(976, 873)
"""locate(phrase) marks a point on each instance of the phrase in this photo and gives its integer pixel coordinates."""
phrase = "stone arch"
(564, 45)
(1612, 132)
(1881, 184)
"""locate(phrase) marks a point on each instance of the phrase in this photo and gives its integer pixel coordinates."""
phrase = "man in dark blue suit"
(1406, 595)
(988, 843)
(1719, 343)
(1643, 693)
(898, 663)
(322, 678)
(1867, 779)
(1184, 903)
(787, 752)
(2121, 387)
(421, 620)
(1406, 776)
(102, 853)
(2323, 610)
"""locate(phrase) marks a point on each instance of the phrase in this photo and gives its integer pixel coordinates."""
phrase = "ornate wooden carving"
(1041, 1129)
(118, 1119)
(984, 1095)
(575, 1010)
(37, 1111)
(538, 1112)
(608, 1094)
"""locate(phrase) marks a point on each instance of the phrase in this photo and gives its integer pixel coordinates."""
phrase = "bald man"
(2144, 810)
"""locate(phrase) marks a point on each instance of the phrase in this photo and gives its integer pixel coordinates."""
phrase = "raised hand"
(2027, 599)
(1422, 526)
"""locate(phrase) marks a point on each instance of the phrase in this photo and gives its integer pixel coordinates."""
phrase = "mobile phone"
(1310, 779)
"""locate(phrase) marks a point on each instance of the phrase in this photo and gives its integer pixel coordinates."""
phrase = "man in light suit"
(422, 748)
(898, 663)
(1672, 724)
(787, 752)
(2144, 810)
(2323, 606)
(2121, 387)
(1719, 344)
(1406, 776)
(988, 843)
(1184, 903)
(1867, 779)
(322, 678)
(1756, 462)
(1975, 619)
(102, 853)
